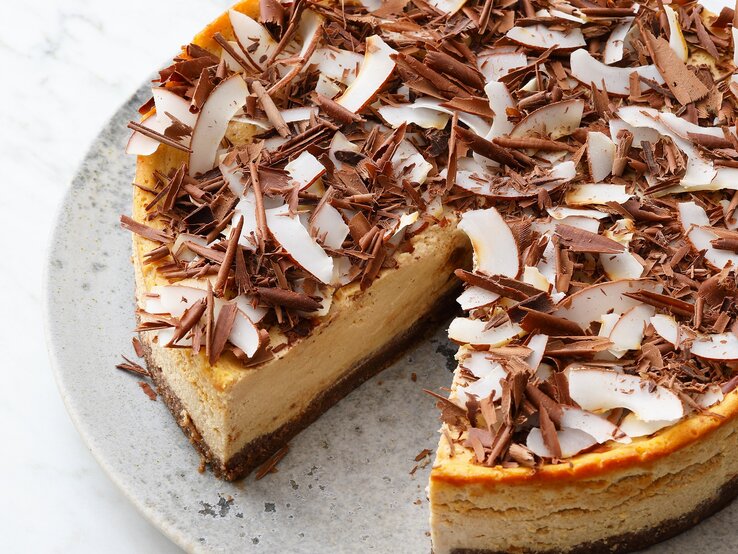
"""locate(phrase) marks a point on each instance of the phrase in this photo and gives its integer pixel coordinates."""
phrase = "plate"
(346, 484)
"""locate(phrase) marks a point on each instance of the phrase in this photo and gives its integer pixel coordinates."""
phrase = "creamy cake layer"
(607, 495)
(232, 405)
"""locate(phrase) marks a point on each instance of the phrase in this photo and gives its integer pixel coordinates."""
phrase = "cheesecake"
(317, 182)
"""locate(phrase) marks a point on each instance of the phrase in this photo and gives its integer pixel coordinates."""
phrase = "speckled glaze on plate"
(344, 486)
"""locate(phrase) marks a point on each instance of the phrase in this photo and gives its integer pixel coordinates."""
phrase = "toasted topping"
(589, 152)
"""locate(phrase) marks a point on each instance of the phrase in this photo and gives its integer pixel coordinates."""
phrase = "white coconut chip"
(477, 362)
(473, 331)
(601, 389)
(409, 164)
(676, 38)
(181, 252)
(627, 333)
(448, 7)
(623, 265)
(495, 249)
(252, 37)
(667, 328)
(474, 122)
(634, 427)
(304, 170)
(327, 223)
(412, 113)
(734, 34)
(591, 303)
(562, 212)
(696, 226)
(710, 397)
(500, 100)
(172, 299)
(165, 102)
(376, 68)
(600, 155)
(224, 101)
(476, 297)
(537, 344)
(599, 194)
(339, 143)
(594, 425)
(542, 38)
(290, 233)
(245, 335)
(533, 277)
(246, 305)
(488, 383)
(615, 45)
(616, 80)
(571, 442)
(720, 346)
(553, 120)
(640, 134)
(336, 65)
(494, 64)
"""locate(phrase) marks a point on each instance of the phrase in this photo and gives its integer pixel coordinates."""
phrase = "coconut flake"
(590, 303)
(571, 442)
(676, 38)
(304, 170)
(244, 334)
(328, 224)
(336, 65)
(376, 68)
(616, 80)
(594, 425)
(584, 195)
(495, 248)
(600, 155)
(448, 7)
(615, 45)
(666, 327)
(302, 248)
(696, 225)
(426, 118)
(553, 120)
(476, 297)
(245, 303)
(542, 38)
(172, 299)
(252, 37)
(165, 102)
(628, 332)
(537, 344)
(720, 346)
(224, 101)
(599, 389)
(493, 65)
(635, 427)
(621, 266)
(473, 331)
(500, 100)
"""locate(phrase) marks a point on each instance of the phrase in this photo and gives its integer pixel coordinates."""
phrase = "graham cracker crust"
(630, 542)
(261, 449)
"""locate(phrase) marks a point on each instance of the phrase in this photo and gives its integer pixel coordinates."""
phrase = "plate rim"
(52, 345)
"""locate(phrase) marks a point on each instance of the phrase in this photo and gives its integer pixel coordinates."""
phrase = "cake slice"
(313, 179)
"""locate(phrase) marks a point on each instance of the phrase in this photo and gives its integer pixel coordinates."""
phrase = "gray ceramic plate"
(345, 485)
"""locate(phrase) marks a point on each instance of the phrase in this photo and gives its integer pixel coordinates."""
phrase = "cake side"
(616, 499)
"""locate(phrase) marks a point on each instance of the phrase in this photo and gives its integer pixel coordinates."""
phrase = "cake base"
(259, 450)
(631, 542)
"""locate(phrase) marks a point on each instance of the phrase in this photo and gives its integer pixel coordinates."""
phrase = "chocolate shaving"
(223, 328)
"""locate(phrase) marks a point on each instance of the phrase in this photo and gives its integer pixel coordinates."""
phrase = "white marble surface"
(66, 67)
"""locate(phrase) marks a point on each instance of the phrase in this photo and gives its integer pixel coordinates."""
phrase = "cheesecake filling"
(306, 169)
